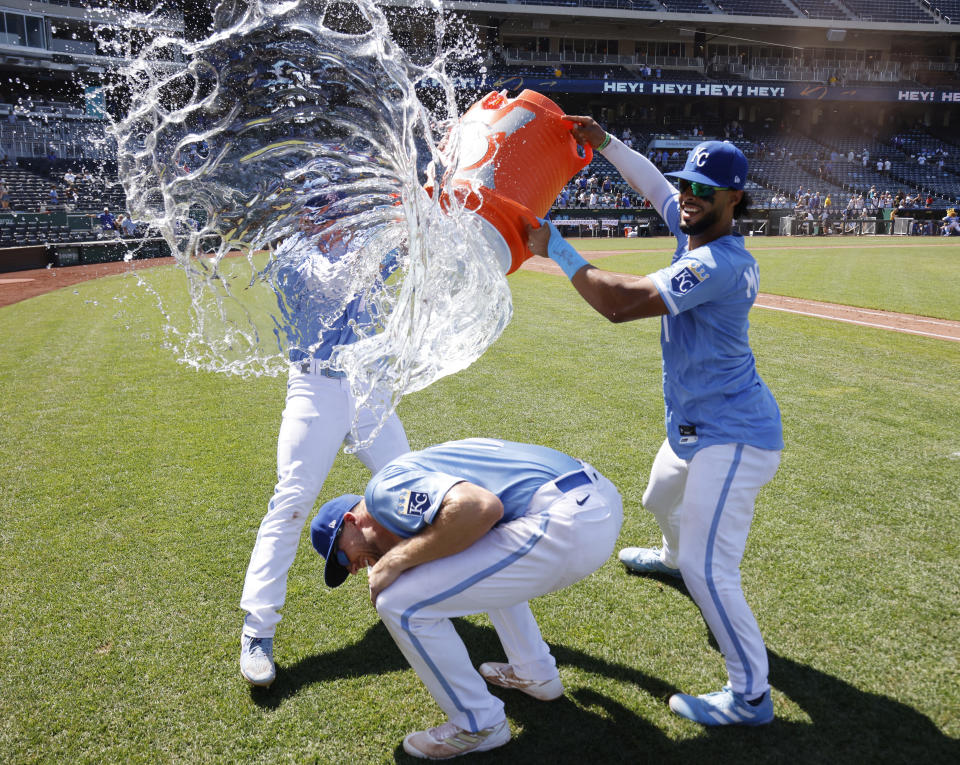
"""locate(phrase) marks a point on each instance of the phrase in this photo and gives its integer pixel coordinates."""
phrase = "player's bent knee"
(390, 607)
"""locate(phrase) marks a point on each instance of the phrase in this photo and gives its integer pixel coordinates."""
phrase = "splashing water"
(295, 137)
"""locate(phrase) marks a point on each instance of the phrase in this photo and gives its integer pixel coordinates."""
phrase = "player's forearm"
(642, 175)
(619, 297)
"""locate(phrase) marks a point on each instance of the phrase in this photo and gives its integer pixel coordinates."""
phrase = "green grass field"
(132, 488)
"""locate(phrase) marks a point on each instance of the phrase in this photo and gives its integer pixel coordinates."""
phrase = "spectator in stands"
(929, 201)
(886, 166)
(107, 221)
(69, 178)
(880, 165)
(127, 226)
(4, 195)
(54, 196)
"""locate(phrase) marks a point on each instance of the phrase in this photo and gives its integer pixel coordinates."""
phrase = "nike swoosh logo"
(581, 501)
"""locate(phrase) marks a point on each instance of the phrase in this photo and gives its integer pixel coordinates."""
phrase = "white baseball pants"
(558, 542)
(704, 508)
(316, 421)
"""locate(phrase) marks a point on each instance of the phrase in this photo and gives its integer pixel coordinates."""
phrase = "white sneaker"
(504, 675)
(256, 660)
(646, 560)
(449, 740)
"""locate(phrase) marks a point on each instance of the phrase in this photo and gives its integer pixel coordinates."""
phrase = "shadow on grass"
(846, 724)
(376, 653)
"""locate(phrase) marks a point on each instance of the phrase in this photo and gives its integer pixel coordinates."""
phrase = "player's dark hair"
(742, 205)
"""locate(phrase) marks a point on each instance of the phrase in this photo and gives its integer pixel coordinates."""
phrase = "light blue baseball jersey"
(309, 288)
(405, 495)
(711, 389)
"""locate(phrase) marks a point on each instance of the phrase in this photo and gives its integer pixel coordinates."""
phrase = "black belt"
(572, 481)
(306, 367)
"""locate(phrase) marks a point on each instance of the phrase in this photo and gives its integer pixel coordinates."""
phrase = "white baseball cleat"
(256, 660)
(504, 675)
(448, 740)
(724, 707)
(646, 560)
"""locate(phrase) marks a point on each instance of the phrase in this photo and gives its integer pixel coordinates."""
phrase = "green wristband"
(605, 142)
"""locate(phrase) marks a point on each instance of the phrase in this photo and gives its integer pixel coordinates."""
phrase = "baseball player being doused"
(320, 408)
(464, 527)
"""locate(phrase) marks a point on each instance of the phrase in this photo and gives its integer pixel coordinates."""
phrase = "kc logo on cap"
(715, 163)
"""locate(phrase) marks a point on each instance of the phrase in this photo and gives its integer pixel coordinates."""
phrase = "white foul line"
(861, 323)
(814, 303)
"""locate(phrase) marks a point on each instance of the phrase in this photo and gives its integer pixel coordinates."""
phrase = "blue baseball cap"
(716, 163)
(325, 531)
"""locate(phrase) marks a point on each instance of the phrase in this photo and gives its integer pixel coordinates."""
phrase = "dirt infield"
(865, 317)
(21, 285)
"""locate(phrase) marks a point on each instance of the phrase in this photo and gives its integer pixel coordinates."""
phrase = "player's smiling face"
(698, 214)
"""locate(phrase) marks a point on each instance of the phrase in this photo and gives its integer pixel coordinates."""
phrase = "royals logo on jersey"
(414, 503)
(687, 278)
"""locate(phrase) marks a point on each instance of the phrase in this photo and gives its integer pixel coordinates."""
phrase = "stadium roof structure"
(903, 51)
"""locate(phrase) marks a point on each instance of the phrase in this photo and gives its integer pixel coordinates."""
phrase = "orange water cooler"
(516, 155)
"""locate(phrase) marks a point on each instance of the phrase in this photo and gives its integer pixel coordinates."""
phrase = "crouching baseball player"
(464, 527)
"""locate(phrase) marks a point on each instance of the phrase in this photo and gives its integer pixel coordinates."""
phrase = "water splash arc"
(284, 165)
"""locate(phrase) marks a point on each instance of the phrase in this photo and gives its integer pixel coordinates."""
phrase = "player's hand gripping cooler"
(516, 155)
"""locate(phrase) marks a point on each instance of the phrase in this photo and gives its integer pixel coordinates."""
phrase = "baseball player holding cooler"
(478, 525)
(316, 420)
(723, 425)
